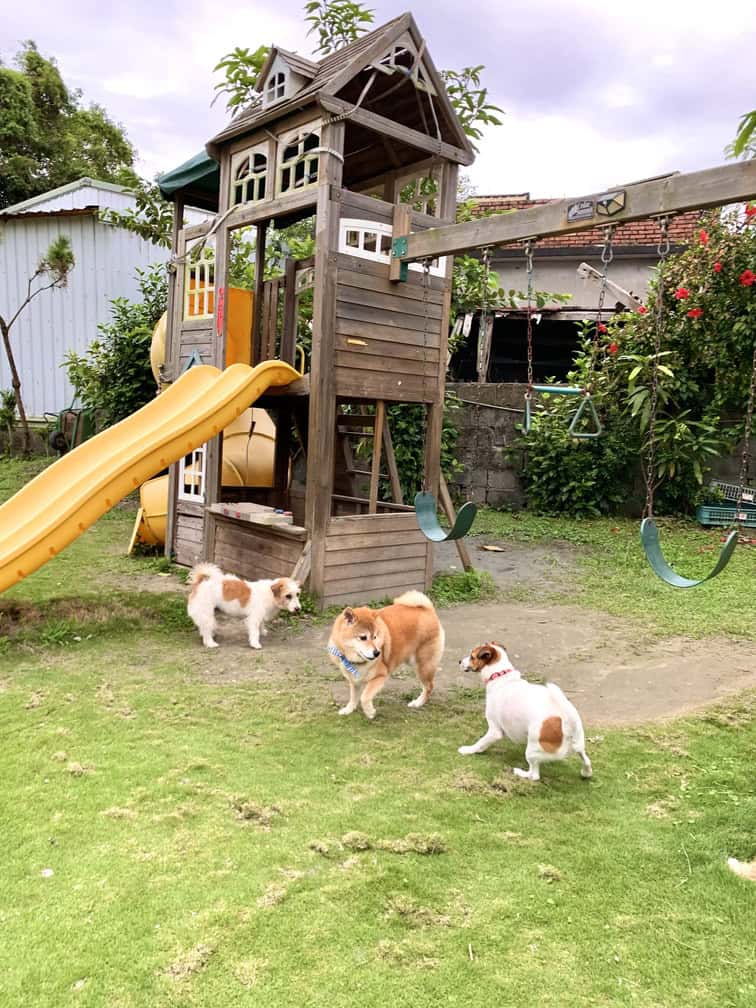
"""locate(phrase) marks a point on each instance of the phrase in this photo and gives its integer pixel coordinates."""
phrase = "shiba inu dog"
(367, 645)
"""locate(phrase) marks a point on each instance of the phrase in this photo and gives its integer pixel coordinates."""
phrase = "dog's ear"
(278, 588)
(349, 616)
(485, 653)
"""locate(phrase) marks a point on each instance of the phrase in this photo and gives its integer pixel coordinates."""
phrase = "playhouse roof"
(198, 179)
(300, 65)
(335, 71)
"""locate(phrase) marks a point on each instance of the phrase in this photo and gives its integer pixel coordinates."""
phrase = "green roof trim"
(198, 178)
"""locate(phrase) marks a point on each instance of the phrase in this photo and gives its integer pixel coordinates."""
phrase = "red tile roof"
(644, 232)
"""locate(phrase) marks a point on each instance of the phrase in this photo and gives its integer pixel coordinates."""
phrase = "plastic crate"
(710, 514)
(730, 491)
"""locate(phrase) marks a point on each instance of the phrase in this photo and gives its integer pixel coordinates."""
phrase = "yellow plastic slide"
(64, 500)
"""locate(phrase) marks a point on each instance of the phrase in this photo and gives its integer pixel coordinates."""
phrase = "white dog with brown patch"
(253, 601)
(540, 716)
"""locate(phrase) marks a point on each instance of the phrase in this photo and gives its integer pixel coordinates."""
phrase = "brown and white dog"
(369, 644)
(540, 716)
(253, 601)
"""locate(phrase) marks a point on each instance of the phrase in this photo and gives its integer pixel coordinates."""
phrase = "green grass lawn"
(169, 840)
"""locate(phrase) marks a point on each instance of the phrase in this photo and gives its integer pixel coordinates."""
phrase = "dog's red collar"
(498, 675)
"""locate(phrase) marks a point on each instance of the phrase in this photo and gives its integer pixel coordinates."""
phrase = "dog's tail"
(203, 572)
(572, 725)
(746, 871)
(415, 599)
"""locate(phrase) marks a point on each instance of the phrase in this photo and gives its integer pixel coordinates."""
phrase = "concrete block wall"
(486, 425)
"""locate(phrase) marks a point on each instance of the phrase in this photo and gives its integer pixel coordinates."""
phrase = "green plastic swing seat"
(650, 541)
(427, 519)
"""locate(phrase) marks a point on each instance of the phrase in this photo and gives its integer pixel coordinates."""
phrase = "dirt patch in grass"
(190, 963)
(614, 672)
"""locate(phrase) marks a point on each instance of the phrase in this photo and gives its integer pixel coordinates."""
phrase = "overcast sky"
(595, 93)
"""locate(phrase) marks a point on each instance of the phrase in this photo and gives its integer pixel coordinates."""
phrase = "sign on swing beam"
(605, 205)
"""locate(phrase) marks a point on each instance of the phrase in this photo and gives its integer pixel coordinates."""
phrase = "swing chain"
(426, 264)
(483, 348)
(529, 245)
(746, 456)
(663, 248)
(607, 254)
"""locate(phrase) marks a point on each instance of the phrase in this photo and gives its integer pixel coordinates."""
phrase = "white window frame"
(365, 228)
(276, 87)
(298, 136)
(196, 492)
(251, 181)
(203, 268)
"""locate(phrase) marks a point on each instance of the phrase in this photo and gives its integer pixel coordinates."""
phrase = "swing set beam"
(655, 197)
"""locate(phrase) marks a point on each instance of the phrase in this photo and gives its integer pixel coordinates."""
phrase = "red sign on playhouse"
(220, 309)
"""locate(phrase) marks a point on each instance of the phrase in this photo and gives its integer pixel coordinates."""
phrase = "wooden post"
(375, 472)
(289, 324)
(451, 514)
(257, 327)
(388, 447)
(214, 451)
(485, 334)
(322, 416)
(401, 226)
(175, 290)
(282, 456)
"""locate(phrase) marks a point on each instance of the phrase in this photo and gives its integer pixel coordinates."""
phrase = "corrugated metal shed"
(60, 320)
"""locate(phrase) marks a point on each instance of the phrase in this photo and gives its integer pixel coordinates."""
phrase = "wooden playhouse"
(342, 140)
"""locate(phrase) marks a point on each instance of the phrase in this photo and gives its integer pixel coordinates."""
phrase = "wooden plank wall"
(195, 336)
(254, 553)
(188, 536)
(373, 556)
(387, 334)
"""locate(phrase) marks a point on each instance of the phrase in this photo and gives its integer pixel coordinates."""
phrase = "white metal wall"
(67, 319)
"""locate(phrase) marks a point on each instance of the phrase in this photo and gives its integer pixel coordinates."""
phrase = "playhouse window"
(275, 89)
(372, 240)
(199, 284)
(191, 476)
(299, 161)
(249, 176)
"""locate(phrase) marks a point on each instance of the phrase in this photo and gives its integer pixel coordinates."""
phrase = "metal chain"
(426, 264)
(607, 254)
(483, 323)
(662, 248)
(746, 456)
(529, 244)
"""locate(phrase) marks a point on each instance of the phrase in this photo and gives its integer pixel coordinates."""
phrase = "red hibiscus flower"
(682, 293)
(642, 309)
(613, 348)
(747, 278)
(703, 237)
(695, 313)
(750, 211)
(717, 267)
(602, 328)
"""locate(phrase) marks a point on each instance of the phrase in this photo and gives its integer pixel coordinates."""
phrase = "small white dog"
(540, 716)
(254, 601)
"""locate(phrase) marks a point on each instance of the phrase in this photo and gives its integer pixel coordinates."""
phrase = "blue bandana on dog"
(351, 669)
